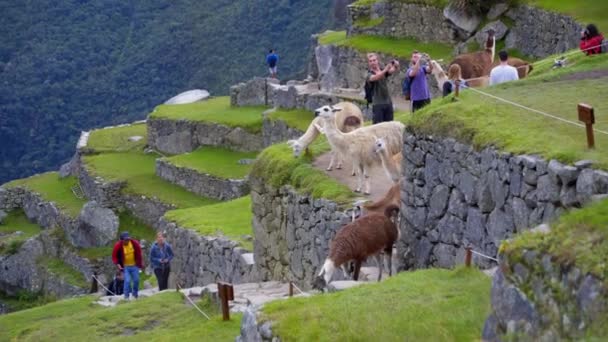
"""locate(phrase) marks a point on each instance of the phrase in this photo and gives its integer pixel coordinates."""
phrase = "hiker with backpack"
(376, 88)
(415, 85)
(272, 59)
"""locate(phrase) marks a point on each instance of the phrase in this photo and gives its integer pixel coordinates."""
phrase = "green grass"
(16, 221)
(482, 121)
(398, 47)
(579, 238)
(367, 22)
(117, 138)
(277, 166)
(137, 229)
(219, 162)
(164, 317)
(25, 300)
(231, 219)
(138, 171)
(216, 110)
(296, 118)
(585, 11)
(428, 305)
(53, 189)
(60, 269)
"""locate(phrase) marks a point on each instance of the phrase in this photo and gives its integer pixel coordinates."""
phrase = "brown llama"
(392, 197)
(479, 63)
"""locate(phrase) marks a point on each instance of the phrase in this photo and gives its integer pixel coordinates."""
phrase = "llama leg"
(359, 179)
(380, 260)
(328, 270)
(339, 165)
(389, 255)
(331, 161)
(367, 182)
(357, 269)
(354, 170)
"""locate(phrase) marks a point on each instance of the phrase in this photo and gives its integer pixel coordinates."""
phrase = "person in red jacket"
(127, 256)
(591, 40)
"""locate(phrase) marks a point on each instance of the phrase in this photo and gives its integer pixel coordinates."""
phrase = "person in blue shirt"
(160, 258)
(272, 59)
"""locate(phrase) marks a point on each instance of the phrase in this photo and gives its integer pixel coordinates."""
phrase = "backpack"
(406, 87)
(369, 91)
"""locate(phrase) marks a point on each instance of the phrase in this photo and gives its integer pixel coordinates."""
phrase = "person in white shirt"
(503, 72)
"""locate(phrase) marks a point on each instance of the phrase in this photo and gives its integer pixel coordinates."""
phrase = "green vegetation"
(163, 317)
(398, 47)
(117, 138)
(435, 3)
(429, 305)
(137, 229)
(585, 11)
(16, 221)
(367, 22)
(231, 219)
(138, 171)
(25, 300)
(52, 188)
(296, 118)
(109, 63)
(219, 162)
(483, 121)
(62, 270)
(216, 110)
(579, 238)
(278, 167)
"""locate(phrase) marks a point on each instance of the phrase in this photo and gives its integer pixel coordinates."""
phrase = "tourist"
(454, 77)
(126, 255)
(272, 59)
(504, 72)
(419, 88)
(591, 40)
(382, 105)
(160, 258)
(116, 286)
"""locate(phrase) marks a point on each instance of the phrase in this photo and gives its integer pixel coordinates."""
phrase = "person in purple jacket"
(419, 88)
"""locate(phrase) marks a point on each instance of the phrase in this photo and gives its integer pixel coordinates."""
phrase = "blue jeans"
(131, 273)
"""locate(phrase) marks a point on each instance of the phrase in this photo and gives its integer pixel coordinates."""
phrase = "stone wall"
(277, 131)
(255, 92)
(292, 232)
(200, 183)
(107, 194)
(201, 260)
(180, 136)
(425, 23)
(454, 196)
(539, 299)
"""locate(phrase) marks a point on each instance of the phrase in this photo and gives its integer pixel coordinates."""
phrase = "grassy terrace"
(16, 221)
(579, 238)
(399, 47)
(231, 219)
(585, 11)
(219, 162)
(163, 317)
(296, 118)
(137, 170)
(483, 121)
(216, 110)
(429, 305)
(117, 138)
(277, 166)
(60, 269)
(53, 189)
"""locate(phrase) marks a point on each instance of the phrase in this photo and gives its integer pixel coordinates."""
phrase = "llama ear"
(336, 109)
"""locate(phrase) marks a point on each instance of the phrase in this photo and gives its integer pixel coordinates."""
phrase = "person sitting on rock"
(591, 40)
(116, 286)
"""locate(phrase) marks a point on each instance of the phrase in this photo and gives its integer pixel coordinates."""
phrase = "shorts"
(272, 70)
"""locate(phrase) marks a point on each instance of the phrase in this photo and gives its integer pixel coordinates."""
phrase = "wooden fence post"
(225, 292)
(290, 289)
(586, 114)
(94, 285)
(457, 86)
(468, 256)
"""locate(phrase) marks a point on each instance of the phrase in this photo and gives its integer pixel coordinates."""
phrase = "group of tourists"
(127, 256)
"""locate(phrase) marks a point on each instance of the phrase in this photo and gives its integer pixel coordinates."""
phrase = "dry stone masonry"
(454, 196)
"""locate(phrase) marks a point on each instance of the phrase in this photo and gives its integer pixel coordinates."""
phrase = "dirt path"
(380, 183)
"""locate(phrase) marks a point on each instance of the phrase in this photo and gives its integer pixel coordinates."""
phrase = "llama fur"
(349, 118)
(392, 198)
(359, 143)
(364, 237)
(440, 76)
(390, 164)
(479, 63)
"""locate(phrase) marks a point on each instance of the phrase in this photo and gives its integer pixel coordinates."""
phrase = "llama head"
(319, 283)
(326, 111)
(437, 69)
(296, 147)
(379, 145)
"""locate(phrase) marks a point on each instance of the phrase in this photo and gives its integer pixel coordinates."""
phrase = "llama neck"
(492, 49)
(335, 136)
(388, 164)
(441, 78)
(311, 133)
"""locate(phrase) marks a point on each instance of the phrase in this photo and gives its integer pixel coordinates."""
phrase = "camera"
(393, 62)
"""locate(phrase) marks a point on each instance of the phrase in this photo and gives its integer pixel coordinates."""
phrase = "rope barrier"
(535, 110)
(107, 289)
(191, 302)
(484, 256)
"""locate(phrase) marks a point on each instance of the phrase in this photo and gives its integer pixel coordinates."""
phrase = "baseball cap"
(124, 235)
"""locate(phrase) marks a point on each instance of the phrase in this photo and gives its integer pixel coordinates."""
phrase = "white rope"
(535, 110)
(483, 255)
(107, 289)
(191, 302)
(297, 288)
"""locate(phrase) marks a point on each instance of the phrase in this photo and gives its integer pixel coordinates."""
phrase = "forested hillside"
(70, 65)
